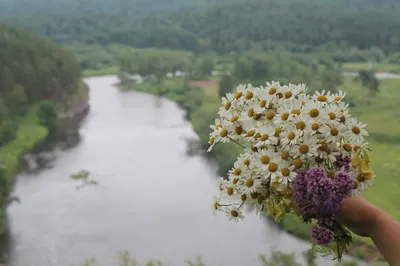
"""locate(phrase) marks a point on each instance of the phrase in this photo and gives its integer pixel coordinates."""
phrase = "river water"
(152, 200)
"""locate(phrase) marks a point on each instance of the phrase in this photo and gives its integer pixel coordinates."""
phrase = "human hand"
(358, 215)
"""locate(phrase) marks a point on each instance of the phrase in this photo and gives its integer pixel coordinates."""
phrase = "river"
(152, 199)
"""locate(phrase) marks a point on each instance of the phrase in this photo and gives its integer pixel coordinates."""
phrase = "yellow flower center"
(234, 213)
(251, 133)
(246, 162)
(265, 159)
(270, 105)
(284, 116)
(254, 149)
(235, 180)
(277, 131)
(284, 155)
(270, 115)
(215, 205)
(273, 167)
(221, 187)
(331, 174)
(298, 163)
(249, 95)
(356, 130)
(296, 112)
(249, 182)
(257, 136)
(238, 130)
(218, 126)
(322, 98)
(291, 135)
(356, 148)
(332, 115)
(315, 126)
(250, 112)
(280, 95)
(243, 197)
(224, 132)
(334, 131)
(337, 98)
(211, 141)
(347, 147)
(272, 91)
(304, 149)
(323, 146)
(285, 172)
(238, 95)
(234, 118)
(314, 113)
(229, 191)
(257, 116)
(288, 94)
(263, 103)
(300, 125)
(227, 105)
(318, 159)
(342, 118)
(264, 137)
(237, 171)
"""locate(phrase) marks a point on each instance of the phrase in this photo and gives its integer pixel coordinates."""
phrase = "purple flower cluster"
(322, 235)
(342, 162)
(319, 196)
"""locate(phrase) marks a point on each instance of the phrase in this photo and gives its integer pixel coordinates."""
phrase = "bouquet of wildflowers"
(302, 154)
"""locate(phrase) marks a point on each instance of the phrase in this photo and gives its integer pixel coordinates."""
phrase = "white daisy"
(337, 97)
(306, 149)
(286, 175)
(234, 214)
(356, 129)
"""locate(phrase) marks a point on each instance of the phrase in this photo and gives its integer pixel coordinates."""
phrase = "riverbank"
(31, 137)
(203, 114)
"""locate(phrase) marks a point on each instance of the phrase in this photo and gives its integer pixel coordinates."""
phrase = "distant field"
(382, 115)
(380, 67)
(101, 72)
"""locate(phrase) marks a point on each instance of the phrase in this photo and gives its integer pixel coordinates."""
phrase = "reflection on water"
(151, 200)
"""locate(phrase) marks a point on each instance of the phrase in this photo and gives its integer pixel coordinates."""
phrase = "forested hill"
(43, 69)
(221, 25)
(100, 7)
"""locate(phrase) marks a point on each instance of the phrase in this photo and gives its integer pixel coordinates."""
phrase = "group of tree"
(223, 26)
(31, 70)
(257, 68)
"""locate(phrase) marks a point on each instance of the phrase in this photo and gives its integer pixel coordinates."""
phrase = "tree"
(225, 85)
(47, 114)
(259, 69)
(17, 102)
(242, 69)
(368, 81)
(8, 130)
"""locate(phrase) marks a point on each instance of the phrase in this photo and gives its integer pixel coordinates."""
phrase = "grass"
(101, 72)
(380, 67)
(29, 134)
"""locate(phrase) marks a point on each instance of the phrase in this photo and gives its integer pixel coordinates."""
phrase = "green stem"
(237, 142)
